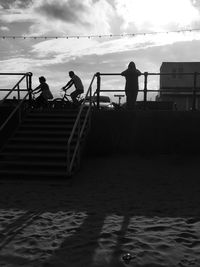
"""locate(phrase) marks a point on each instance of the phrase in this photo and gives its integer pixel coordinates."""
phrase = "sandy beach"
(147, 206)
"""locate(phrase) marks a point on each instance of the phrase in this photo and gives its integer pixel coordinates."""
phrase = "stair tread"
(34, 172)
(43, 131)
(37, 138)
(36, 126)
(19, 162)
(55, 121)
(34, 154)
(37, 146)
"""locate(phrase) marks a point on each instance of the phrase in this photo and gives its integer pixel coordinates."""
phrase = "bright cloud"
(4, 28)
(65, 49)
(62, 16)
(72, 16)
(156, 14)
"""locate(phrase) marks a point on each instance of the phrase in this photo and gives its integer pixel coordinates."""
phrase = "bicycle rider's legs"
(74, 95)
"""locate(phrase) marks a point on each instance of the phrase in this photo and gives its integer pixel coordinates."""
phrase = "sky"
(54, 58)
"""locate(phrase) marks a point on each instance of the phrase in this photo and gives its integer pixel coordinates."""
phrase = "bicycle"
(45, 105)
(64, 101)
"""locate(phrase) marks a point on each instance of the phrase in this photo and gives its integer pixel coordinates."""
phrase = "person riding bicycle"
(76, 81)
(45, 93)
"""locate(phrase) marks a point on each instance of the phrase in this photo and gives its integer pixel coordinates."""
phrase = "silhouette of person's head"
(131, 66)
(42, 79)
(71, 74)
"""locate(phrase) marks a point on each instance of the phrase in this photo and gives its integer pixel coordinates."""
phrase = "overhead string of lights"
(95, 36)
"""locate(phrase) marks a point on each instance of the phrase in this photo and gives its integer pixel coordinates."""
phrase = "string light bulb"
(96, 36)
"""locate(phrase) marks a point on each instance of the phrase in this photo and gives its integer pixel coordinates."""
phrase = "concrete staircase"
(38, 148)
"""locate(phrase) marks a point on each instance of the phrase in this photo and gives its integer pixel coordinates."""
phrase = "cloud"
(156, 15)
(71, 11)
(72, 16)
(65, 49)
(6, 3)
(10, 4)
(62, 17)
(4, 28)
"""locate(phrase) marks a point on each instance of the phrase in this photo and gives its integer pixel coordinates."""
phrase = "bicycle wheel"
(59, 103)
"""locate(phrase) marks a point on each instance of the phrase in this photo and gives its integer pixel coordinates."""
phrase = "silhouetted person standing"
(76, 81)
(131, 75)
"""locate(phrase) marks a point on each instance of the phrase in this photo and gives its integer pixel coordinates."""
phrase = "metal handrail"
(70, 160)
(13, 73)
(17, 108)
(13, 112)
(10, 92)
(195, 88)
(17, 84)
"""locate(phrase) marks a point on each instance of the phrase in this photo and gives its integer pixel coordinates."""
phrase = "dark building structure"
(178, 86)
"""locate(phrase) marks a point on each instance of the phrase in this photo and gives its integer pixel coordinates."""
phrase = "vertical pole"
(68, 160)
(79, 136)
(18, 93)
(98, 87)
(145, 88)
(18, 99)
(90, 94)
(194, 92)
(29, 86)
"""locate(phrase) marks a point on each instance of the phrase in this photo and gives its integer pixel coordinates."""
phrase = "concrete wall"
(176, 80)
(144, 132)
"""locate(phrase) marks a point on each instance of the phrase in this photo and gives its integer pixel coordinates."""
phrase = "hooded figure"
(131, 75)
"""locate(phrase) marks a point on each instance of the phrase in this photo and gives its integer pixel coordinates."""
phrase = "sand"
(148, 206)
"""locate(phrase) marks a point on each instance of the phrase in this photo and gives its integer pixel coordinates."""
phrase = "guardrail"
(79, 128)
(193, 90)
(27, 77)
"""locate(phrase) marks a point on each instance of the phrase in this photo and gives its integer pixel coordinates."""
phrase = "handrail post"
(98, 88)
(29, 86)
(68, 160)
(90, 105)
(194, 91)
(145, 88)
(78, 143)
(18, 97)
(18, 92)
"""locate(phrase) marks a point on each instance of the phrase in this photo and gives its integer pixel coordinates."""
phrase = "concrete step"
(39, 146)
(45, 164)
(38, 169)
(42, 132)
(41, 142)
(57, 112)
(55, 121)
(36, 147)
(28, 155)
(37, 139)
(38, 126)
(33, 174)
(54, 115)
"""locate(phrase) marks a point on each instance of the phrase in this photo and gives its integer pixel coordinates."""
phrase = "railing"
(79, 128)
(195, 88)
(27, 77)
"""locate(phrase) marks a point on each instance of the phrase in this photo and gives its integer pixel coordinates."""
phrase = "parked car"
(104, 102)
